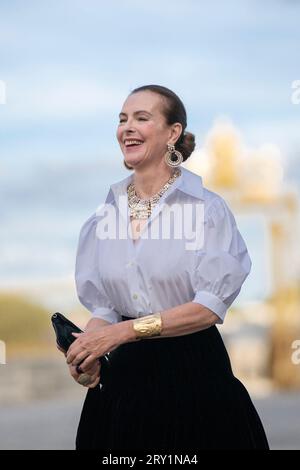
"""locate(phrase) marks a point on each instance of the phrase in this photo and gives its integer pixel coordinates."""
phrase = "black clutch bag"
(63, 329)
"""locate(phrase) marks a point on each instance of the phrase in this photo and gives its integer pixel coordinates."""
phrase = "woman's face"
(141, 119)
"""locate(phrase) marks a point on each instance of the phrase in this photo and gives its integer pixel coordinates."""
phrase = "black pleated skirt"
(170, 394)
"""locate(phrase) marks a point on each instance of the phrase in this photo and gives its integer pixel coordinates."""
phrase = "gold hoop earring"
(173, 157)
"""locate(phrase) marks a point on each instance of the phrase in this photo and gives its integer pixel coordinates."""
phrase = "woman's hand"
(93, 344)
(93, 371)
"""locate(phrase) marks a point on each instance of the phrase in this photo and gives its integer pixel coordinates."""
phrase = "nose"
(128, 131)
(127, 125)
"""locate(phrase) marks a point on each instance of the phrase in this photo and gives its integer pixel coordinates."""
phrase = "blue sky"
(69, 65)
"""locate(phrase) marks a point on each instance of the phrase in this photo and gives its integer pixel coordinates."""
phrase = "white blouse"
(206, 262)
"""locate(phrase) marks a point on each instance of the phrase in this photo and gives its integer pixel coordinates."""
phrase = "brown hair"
(173, 111)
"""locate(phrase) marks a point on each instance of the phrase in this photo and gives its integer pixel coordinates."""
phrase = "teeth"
(130, 142)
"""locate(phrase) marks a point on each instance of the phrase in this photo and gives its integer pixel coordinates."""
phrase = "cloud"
(54, 96)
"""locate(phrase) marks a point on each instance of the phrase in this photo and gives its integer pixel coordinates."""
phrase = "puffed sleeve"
(90, 290)
(223, 264)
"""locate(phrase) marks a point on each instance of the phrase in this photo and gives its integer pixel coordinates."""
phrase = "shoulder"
(88, 227)
(212, 200)
(192, 184)
(216, 208)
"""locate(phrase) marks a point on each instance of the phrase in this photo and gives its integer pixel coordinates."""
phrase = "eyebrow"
(136, 112)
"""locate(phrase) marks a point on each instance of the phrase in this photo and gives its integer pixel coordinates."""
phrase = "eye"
(140, 119)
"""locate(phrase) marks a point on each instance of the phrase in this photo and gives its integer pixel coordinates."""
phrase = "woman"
(156, 298)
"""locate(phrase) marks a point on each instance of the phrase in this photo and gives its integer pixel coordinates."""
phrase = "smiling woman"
(155, 302)
(150, 123)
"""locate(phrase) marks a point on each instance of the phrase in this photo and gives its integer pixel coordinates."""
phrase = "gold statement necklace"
(142, 208)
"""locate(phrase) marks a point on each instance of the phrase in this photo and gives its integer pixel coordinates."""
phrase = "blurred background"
(66, 69)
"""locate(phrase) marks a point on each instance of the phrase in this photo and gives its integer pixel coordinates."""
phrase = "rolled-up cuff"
(211, 301)
(107, 314)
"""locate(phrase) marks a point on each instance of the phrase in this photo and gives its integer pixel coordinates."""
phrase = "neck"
(149, 181)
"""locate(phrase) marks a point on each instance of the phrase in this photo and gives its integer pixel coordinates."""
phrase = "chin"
(134, 162)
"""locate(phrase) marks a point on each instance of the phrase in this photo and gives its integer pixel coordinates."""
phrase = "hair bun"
(186, 144)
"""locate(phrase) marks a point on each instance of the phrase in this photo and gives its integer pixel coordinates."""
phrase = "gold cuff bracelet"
(149, 325)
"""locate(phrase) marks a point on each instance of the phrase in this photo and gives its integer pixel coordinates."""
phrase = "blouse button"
(135, 296)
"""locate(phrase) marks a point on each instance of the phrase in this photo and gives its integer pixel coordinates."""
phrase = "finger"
(74, 346)
(70, 356)
(76, 356)
(77, 334)
(73, 373)
(95, 383)
(94, 369)
(80, 358)
(93, 380)
(71, 353)
(86, 380)
(91, 370)
(87, 363)
(75, 376)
